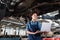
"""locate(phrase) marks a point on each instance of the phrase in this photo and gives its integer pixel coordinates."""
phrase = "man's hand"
(45, 32)
(37, 32)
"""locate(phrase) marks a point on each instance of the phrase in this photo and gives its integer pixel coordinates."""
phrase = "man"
(33, 28)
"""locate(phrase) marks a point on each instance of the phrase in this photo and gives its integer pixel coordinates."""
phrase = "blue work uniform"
(33, 27)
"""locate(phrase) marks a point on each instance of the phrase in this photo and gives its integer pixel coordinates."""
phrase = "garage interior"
(14, 14)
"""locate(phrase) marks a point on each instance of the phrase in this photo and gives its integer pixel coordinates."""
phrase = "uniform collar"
(32, 21)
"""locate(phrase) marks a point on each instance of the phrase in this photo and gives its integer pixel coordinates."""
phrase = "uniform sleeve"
(27, 26)
(39, 25)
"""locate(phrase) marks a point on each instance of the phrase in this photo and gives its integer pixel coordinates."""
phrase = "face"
(34, 16)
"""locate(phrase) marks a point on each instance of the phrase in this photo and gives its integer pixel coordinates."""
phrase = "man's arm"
(28, 32)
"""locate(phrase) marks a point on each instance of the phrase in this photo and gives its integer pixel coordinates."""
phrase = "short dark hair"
(34, 12)
(31, 13)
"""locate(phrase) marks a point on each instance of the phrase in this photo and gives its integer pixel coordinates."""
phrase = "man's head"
(34, 15)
